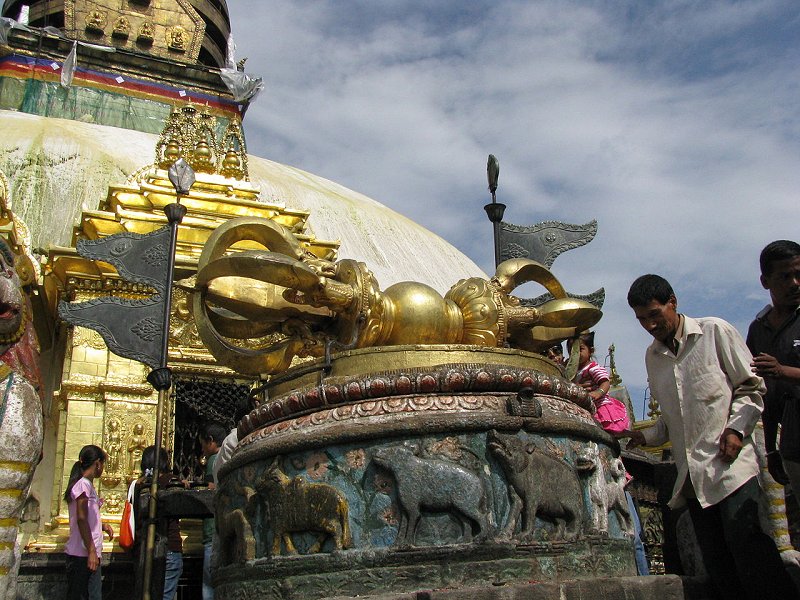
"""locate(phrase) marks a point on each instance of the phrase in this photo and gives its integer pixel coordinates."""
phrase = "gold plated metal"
(474, 311)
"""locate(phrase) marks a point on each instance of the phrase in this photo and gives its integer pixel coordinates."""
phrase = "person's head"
(90, 463)
(556, 354)
(149, 459)
(211, 437)
(656, 308)
(780, 272)
(586, 341)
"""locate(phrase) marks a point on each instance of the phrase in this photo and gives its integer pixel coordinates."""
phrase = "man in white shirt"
(699, 372)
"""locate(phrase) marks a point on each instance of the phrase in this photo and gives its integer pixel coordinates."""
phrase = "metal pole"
(495, 209)
(161, 378)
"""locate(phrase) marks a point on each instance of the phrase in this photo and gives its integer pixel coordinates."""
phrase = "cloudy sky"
(675, 124)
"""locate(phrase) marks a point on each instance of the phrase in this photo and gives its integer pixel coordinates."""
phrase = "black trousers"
(82, 584)
(742, 561)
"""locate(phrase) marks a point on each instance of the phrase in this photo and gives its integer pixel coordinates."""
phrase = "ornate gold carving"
(312, 304)
(177, 38)
(145, 32)
(96, 21)
(113, 504)
(84, 337)
(189, 133)
(183, 330)
(122, 27)
(112, 473)
(137, 442)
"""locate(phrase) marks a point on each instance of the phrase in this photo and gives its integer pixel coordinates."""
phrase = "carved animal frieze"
(539, 485)
(297, 506)
(606, 496)
(436, 486)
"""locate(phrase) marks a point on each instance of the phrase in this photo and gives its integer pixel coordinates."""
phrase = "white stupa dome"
(58, 168)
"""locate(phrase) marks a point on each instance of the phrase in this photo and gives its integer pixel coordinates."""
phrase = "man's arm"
(747, 401)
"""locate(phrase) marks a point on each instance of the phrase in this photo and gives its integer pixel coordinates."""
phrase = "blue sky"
(675, 124)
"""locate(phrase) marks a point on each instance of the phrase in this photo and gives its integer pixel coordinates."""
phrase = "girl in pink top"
(611, 413)
(85, 542)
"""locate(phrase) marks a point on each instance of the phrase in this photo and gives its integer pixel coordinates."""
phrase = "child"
(613, 417)
(211, 438)
(611, 413)
(85, 543)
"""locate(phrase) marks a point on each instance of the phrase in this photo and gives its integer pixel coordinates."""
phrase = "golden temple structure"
(87, 161)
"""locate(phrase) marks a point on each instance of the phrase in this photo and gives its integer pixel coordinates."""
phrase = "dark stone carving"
(538, 485)
(525, 404)
(427, 484)
(296, 506)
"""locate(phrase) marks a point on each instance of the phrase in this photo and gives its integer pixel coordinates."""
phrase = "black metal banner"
(543, 242)
(131, 328)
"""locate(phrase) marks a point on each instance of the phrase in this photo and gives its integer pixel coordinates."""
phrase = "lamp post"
(494, 210)
(182, 177)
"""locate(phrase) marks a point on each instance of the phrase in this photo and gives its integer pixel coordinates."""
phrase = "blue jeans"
(642, 568)
(83, 584)
(208, 589)
(172, 573)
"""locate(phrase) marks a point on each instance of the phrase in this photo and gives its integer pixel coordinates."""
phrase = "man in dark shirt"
(774, 340)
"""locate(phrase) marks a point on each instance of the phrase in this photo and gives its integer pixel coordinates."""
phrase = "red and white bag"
(127, 527)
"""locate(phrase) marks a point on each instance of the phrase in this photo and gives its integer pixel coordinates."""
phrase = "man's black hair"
(775, 251)
(648, 288)
(214, 432)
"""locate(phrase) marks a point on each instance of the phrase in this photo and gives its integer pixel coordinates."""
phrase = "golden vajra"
(299, 304)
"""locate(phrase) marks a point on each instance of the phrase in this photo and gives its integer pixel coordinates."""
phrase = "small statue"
(177, 39)
(135, 448)
(122, 27)
(96, 21)
(146, 32)
(305, 303)
(113, 447)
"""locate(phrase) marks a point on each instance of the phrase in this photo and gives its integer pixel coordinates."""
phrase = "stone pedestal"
(446, 468)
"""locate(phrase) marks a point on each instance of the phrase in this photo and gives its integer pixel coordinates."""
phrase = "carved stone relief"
(540, 485)
(433, 485)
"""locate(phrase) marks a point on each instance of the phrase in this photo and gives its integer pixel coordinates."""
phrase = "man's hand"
(730, 444)
(109, 530)
(765, 365)
(636, 438)
(775, 467)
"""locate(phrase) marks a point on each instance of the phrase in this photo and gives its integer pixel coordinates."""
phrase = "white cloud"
(675, 124)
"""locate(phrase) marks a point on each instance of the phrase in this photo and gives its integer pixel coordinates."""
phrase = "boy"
(774, 340)
(211, 437)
